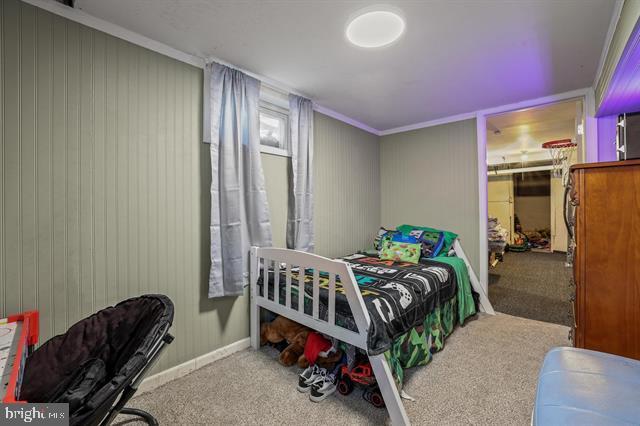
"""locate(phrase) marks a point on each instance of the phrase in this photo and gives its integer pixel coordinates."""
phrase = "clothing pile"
(539, 239)
(497, 236)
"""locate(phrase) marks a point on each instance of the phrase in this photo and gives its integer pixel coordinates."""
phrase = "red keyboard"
(18, 337)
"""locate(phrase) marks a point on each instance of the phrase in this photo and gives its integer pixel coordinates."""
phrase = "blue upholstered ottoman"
(583, 387)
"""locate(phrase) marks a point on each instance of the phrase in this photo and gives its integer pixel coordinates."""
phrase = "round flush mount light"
(371, 28)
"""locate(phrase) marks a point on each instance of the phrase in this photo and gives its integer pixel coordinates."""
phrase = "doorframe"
(589, 155)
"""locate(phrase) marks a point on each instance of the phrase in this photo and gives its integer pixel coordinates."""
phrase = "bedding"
(400, 252)
(448, 237)
(384, 235)
(399, 296)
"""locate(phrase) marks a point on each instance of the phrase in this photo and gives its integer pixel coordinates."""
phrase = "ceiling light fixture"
(371, 28)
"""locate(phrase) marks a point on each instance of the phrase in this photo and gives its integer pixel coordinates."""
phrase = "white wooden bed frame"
(285, 260)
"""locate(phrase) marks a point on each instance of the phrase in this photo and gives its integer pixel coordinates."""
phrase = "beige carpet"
(486, 375)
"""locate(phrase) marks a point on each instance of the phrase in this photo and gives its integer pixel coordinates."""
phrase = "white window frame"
(275, 101)
(276, 111)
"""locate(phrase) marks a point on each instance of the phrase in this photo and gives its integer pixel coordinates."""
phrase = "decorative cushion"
(383, 235)
(400, 252)
(399, 237)
(448, 237)
(432, 243)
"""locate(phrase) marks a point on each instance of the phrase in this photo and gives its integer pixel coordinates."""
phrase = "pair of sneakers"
(318, 381)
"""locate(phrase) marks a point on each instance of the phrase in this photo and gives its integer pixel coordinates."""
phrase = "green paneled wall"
(430, 177)
(347, 187)
(104, 183)
(276, 176)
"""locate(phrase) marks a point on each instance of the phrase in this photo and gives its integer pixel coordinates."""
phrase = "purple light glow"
(623, 92)
(607, 138)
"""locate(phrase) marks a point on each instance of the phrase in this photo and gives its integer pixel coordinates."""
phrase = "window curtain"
(239, 210)
(300, 212)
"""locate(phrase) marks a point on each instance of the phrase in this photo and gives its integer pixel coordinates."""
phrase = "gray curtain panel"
(300, 213)
(239, 210)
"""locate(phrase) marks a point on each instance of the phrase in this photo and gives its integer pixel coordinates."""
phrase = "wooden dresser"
(603, 210)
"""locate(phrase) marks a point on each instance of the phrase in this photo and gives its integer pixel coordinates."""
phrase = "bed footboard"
(293, 263)
(282, 260)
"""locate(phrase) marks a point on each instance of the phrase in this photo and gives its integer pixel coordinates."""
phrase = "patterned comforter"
(398, 295)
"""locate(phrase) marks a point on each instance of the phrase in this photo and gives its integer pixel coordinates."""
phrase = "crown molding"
(536, 102)
(430, 123)
(529, 103)
(91, 21)
(348, 120)
(613, 23)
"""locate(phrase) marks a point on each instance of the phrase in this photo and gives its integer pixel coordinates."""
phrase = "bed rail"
(293, 263)
(485, 305)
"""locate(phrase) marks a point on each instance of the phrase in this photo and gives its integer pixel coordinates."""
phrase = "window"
(274, 129)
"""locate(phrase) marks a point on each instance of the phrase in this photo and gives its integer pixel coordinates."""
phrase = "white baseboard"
(185, 368)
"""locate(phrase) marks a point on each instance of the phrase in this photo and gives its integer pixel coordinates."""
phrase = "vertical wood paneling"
(111, 185)
(44, 169)
(276, 172)
(347, 187)
(104, 184)
(121, 168)
(141, 166)
(133, 160)
(12, 156)
(28, 207)
(430, 177)
(99, 183)
(3, 296)
(103, 181)
(72, 178)
(59, 174)
(86, 170)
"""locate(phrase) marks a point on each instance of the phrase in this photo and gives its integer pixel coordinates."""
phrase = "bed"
(360, 300)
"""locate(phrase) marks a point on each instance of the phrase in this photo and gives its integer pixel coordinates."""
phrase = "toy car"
(361, 374)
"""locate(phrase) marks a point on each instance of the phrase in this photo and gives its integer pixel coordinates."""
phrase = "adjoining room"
(529, 154)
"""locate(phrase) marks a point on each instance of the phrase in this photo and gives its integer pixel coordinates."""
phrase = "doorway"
(527, 237)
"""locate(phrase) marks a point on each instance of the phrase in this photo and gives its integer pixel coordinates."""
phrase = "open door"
(559, 234)
(500, 202)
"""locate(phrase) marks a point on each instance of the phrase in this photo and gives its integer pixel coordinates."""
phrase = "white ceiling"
(525, 131)
(455, 56)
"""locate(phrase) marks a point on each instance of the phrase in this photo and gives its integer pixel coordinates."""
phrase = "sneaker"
(308, 377)
(322, 389)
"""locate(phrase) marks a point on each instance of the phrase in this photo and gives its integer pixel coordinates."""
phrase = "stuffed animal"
(320, 351)
(283, 329)
(328, 362)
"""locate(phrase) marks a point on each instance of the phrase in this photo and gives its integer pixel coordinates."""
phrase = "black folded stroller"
(97, 365)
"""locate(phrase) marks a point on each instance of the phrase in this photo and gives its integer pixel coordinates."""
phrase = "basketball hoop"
(561, 151)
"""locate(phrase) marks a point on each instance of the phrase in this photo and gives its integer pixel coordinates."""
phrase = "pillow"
(400, 252)
(399, 237)
(449, 237)
(383, 235)
(432, 243)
